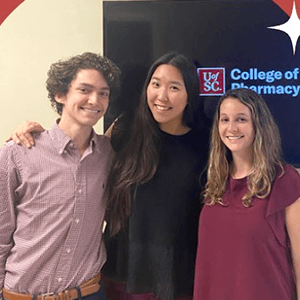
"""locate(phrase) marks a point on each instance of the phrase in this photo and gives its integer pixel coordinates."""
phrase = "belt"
(87, 288)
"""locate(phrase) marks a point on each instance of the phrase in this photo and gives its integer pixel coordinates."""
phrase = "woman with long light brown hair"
(249, 230)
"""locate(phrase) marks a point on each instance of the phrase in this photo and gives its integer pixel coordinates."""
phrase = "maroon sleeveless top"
(244, 253)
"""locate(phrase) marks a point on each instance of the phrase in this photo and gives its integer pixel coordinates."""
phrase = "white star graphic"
(291, 27)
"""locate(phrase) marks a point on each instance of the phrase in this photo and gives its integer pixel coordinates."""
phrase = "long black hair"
(136, 162)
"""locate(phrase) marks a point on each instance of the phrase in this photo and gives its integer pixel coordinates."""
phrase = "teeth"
(162, 108)
(234, 137)
(94, 111)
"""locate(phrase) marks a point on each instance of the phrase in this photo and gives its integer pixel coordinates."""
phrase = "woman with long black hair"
(153, 187)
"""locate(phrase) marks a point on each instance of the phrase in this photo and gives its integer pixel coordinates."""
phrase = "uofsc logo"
(212, 81)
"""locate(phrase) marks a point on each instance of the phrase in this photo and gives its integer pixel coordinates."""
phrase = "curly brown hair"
(63, 72)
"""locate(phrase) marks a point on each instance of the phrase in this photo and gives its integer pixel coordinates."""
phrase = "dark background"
(213, 33)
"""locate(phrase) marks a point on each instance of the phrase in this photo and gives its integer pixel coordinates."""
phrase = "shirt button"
(59, 279)
(77, 221)
(68, 250)
(65, 151)
(79, 191)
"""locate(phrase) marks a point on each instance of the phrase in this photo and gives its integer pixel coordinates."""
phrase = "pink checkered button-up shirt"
(51, 213)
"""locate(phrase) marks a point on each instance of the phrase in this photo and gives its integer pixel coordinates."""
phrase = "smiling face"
(86, 101)
(167, 98)
(236, 127)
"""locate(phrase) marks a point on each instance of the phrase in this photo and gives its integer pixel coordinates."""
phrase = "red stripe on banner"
(287, 6)
(6, 7)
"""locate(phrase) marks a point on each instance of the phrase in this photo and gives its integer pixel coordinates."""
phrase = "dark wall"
(214, 33)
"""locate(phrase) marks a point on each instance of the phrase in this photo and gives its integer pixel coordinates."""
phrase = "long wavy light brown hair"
(267, 154)
(137, 161)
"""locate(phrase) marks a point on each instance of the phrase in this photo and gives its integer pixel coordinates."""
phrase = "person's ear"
(60, 98)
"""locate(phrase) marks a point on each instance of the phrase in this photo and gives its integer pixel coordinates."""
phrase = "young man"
(51, 204)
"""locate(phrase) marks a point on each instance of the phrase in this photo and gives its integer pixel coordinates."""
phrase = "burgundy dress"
(244, 253)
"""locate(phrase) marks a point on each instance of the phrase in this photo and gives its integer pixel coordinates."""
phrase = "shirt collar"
(95, 142)
(61, 140)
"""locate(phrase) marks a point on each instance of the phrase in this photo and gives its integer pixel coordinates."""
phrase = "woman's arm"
(292, 217)
(22, 135)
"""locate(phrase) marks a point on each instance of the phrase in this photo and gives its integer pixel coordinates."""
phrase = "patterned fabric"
(51, 213)
(244, 253)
